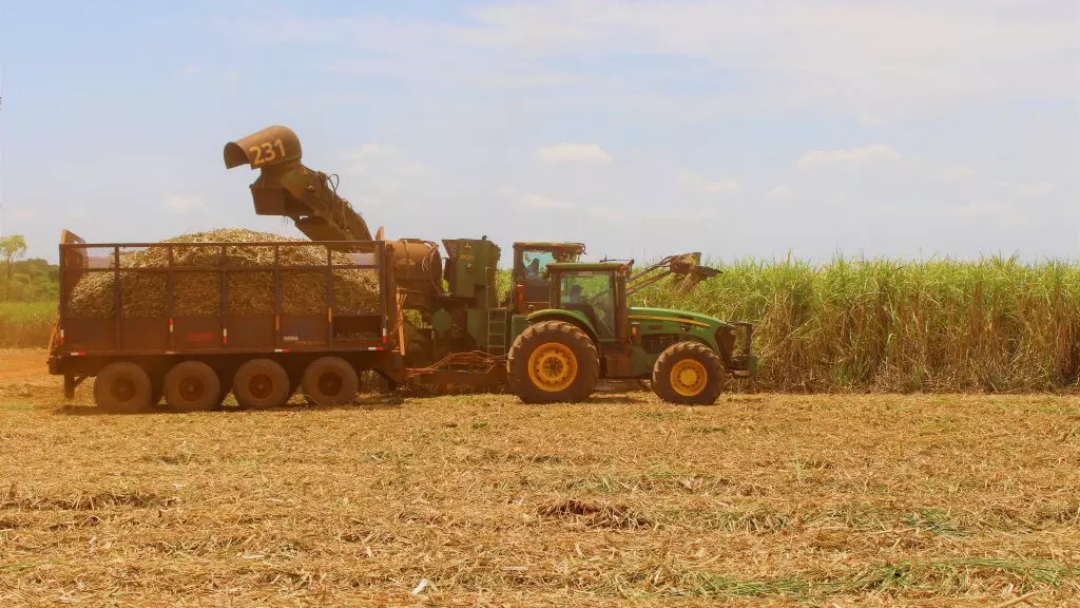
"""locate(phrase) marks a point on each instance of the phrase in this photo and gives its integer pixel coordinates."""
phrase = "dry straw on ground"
(760, 501)
(303, 292)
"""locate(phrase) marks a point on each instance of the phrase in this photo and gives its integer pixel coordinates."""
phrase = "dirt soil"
(761, 500)
(22, 364)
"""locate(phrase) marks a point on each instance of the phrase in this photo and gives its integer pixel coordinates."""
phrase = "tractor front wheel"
(553, 362)
(688, 373)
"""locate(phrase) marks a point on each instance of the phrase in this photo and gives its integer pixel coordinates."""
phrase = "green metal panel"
(690, 326)
(472, 269)
(477, 325)
(641, 362)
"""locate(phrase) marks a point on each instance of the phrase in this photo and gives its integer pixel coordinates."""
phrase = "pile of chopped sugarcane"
(198, 292)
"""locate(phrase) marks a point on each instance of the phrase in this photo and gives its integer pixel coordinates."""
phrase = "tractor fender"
(572, 317)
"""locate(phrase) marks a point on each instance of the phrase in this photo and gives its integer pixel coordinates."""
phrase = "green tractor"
(589, 332)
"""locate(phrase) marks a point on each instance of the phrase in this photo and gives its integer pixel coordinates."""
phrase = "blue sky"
(738, 129)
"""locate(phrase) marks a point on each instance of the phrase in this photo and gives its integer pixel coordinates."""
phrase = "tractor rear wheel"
(330, 381)
(123, 387)
(192, 386)
(261, 383)
(553, 362)
(688, 373)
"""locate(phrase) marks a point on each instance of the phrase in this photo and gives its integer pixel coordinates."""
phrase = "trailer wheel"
(192, 386)
(553, 362)
(330, 381)
(261, 383)
(123, 387)
(688, 373)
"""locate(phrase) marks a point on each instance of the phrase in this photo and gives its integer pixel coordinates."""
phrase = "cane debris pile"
(250, 279)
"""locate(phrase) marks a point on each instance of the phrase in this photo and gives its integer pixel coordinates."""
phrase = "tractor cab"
(596, 292)
(531, 283)
(588, 330)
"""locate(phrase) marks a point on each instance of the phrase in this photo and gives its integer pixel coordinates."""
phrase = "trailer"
(144, 346)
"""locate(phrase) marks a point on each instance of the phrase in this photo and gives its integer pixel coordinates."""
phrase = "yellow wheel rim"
(688, 377)
(553, 367)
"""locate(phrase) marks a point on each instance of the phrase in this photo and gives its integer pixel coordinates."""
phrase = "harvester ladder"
(496, 332)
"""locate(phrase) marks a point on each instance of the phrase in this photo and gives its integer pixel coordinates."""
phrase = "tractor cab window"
(593, 294)
(535, 263)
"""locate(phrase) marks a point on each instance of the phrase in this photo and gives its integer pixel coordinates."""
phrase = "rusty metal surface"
(271, 146)
(287, 188)
(418, 271)
(169, 333)
(474, 369)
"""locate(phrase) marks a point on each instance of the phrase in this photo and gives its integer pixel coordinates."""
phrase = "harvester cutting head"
(685, 270)
(286, 187)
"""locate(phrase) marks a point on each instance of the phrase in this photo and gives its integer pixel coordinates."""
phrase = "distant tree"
(12, 248)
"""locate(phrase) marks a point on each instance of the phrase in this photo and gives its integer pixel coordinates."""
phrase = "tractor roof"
(543, 245)
(602, 266)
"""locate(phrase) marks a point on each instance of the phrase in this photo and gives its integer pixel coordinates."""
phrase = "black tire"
(565, 362)
(192, 386)
(689, 373)
(330, 381)
(261, 383)
(123, 387)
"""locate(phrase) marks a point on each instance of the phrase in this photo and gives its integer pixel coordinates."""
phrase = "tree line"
(26, 280)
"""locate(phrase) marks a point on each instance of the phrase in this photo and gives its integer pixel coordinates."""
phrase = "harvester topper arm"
(286, 187)
(685, 269)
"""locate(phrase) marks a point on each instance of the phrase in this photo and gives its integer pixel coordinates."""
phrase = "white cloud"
(780, 192)
(573, 153)
(1002, 213)
(605, 214)
(958, 173)
(871, 120)
(535, 201)
(1029, 190)
(833, 54)
(682, 215)
(183, 203)
(856, 155)
(413, 169)
(22, 215)
(359, 159)
(702, 184)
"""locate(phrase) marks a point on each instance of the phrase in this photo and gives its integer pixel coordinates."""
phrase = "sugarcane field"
(527, 303)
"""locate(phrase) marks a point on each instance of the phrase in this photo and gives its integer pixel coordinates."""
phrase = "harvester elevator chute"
(287, 188)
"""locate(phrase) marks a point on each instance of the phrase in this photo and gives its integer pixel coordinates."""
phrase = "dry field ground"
(762, 500)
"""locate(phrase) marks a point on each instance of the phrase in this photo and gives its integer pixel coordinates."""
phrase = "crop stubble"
(759, 501)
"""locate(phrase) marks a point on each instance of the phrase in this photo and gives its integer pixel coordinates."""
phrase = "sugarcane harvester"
(564, 325)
